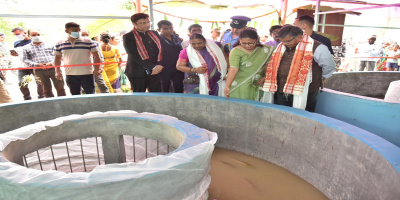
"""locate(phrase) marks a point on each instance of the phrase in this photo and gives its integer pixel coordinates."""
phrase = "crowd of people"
(289, 70)
(370, 56)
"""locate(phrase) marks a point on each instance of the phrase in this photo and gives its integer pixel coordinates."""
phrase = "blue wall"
(378, 117)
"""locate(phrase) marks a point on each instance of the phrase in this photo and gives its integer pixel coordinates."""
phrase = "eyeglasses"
(275, 32)
(248, 44)
(286, 42)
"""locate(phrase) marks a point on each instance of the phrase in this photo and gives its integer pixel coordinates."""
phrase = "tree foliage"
(6, 26)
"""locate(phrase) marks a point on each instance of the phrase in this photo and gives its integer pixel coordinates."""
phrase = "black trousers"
(287, 100)
(174, 77)
(150, 82)
(76, 82)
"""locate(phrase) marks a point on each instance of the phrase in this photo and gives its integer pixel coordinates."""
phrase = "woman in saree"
(111, 71)
(247, 71)
(205, 59)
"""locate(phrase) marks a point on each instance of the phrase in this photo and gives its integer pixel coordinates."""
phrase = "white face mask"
(75, 35)
(85, 37)
(20, 37)
(37, 39)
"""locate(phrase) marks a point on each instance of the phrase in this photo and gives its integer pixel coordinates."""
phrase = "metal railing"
(83, 155)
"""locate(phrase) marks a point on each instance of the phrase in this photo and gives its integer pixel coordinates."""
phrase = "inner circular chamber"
(340, 160)
(109, 138)
(182, 174)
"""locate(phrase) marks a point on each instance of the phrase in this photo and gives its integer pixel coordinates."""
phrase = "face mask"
(37, 39)
(20, 37)
(74, 35)
(85, 37)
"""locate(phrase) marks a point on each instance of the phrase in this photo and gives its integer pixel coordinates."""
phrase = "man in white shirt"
(368, 53)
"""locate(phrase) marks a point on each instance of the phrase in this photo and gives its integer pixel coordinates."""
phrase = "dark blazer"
(135, 66)
(324, 40)
(170, 53)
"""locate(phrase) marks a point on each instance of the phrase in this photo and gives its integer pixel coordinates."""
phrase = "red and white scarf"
(142, 49)
(196, 60)
(301, 64)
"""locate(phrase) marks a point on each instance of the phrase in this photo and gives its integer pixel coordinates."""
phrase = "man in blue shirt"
(238, 24)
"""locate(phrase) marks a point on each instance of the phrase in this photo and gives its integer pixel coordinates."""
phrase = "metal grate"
(144, 148)
(83, 155)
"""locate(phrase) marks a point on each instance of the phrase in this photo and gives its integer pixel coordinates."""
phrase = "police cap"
(239, 21)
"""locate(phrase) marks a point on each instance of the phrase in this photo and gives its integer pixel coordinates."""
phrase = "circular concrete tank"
(182, 174)
(341, 160)
(367, 84)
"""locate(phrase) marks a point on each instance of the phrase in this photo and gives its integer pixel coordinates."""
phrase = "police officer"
(229, 38)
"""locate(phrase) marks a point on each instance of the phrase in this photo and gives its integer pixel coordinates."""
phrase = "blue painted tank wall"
(378, 117)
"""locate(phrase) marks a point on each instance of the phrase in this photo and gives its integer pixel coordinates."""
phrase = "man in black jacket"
(143, 47)
(171, 45)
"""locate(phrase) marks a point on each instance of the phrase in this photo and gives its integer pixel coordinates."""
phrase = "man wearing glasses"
(296, 70)
(273, 32)
(143, 47)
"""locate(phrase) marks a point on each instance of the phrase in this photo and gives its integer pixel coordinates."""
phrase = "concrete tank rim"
(183, 127)
(360, 96)
(193, 136)
(381, 101)
(353, 72)
(50, 184)
(388, 150)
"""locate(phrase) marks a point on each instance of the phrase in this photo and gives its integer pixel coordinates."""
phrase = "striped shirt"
(77, 53)
(37, 54)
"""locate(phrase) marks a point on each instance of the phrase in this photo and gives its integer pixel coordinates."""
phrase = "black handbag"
(192, 79)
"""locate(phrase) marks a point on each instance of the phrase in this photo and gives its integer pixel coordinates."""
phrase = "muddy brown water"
(237, 176)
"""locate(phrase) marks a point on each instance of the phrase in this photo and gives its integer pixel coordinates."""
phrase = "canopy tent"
(185, 12)
(221, 10)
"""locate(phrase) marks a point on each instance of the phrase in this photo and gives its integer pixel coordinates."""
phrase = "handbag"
(193, 78)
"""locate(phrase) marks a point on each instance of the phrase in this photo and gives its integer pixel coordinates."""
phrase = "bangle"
(194, 70)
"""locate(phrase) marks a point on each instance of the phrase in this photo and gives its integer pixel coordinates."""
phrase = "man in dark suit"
(171, 45)
(143, 47)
